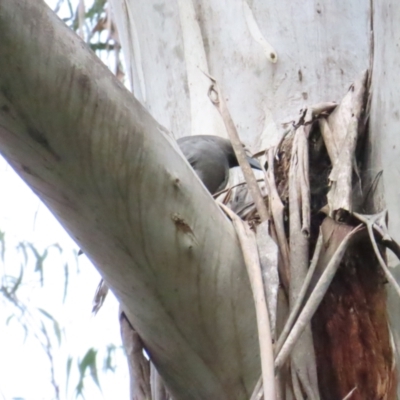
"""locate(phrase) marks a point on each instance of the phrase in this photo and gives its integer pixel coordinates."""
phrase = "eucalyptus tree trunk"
(271, 60)
(106, 165)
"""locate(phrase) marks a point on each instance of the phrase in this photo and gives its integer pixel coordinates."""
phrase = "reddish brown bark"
(351, 335)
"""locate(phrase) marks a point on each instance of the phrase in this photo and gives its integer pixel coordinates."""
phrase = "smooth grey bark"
(383, 155)
(117, 183)
(384, 139)
(321, 49)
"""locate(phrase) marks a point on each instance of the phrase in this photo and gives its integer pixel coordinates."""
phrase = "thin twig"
(380, 226)
(316, 110)
(314, 299)
(296, 385)
(216, 97)
(369, 221)
(258, 390)
(304, 180)
(300, 299)
(232, 187)
(250, 254)
(350, 393)
(48, 350)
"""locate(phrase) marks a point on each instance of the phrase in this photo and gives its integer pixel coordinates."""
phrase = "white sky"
(24, 367)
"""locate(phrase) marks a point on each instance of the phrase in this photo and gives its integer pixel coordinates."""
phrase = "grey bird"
(211, 157)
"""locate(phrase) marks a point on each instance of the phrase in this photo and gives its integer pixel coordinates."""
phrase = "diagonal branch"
(218, 100)
(315, 299)
(118, 184)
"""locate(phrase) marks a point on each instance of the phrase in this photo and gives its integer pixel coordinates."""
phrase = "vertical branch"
(303, 359)
(304, 181)
(250, 254)
(81, 18)
(139, 369)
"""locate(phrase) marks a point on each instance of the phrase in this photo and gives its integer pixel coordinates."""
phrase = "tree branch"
(117, 183)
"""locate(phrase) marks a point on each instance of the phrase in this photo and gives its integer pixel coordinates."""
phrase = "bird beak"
(254, 163)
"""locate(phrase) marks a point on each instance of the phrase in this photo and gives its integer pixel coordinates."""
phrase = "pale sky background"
(24, 367)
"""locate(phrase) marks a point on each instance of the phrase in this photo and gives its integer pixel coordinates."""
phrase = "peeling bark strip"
(248, 244)
(302, 357)
(340, 133)
(352, 342)
(351, 335)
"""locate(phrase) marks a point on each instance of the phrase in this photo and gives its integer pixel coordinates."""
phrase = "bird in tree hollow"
(211, 157)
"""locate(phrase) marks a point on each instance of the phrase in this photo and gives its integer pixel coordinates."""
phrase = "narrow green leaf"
(46, 314)
(56, 325)
(69, 365)
(22, 248)
(88, 360)
(17, 282)
(66, 279)
(108, 364)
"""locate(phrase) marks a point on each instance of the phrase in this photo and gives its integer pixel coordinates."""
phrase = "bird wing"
(207, 159)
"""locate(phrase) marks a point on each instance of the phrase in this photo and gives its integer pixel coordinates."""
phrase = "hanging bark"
(350, 327)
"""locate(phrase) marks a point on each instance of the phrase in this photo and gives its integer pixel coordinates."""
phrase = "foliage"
(38, 323)
(15, 291)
